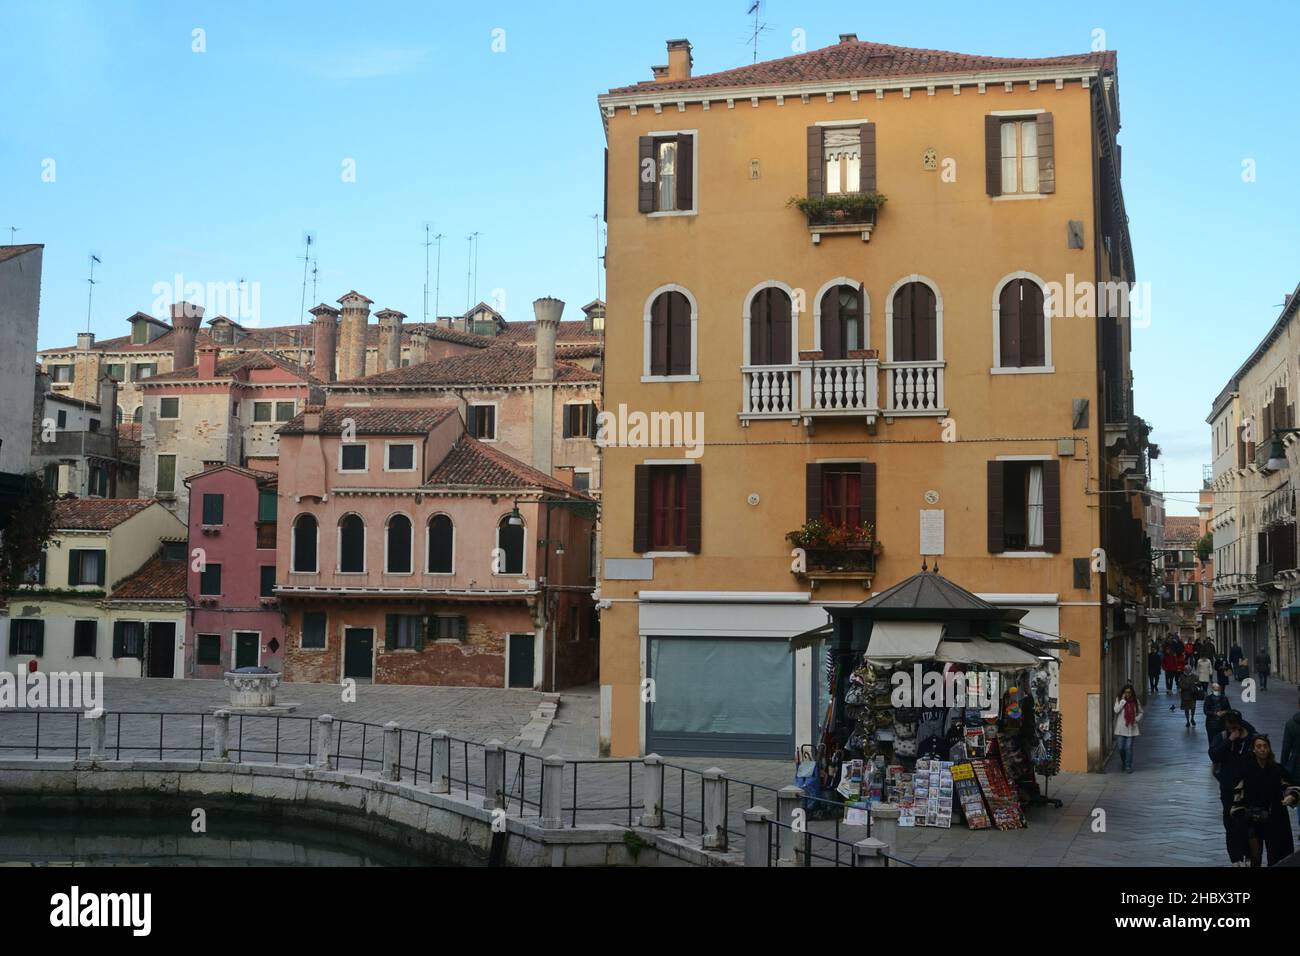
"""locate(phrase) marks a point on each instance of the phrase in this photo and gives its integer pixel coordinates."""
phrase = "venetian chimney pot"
(85, 341)
(208, 362)
(419, 345)
(352, 335)
(325, 341)
(679, 60)
(547, 311)
(185, 329)
(390, 339)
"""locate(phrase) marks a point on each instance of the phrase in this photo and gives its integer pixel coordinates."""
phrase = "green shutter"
(103, 560)
(119, 639)
(462, 627)
(40, 638)
(390, 631)
(74, 565)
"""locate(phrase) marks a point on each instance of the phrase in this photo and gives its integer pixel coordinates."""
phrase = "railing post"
(715, 807)
(652, 790)
(884, 823)
(494, 768)
(221, 736)
(391, 769)
(552, 792)
(98, 731)
(870, 852)
(756, 826)
(788, 800)
(324, 742)
(441, 766)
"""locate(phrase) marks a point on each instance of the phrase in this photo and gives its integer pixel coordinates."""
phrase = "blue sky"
(213, 165)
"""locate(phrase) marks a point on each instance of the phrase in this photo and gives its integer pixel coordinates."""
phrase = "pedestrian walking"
(1154, 665)
(1128, 714)
(1224, 670)
(1171, 668)
(1188, 686)
(1262, 793)
(1204, 672)
(1226, 752)
(1215, 708)
(1263, 665)
(1291, 749)
(1236, 657)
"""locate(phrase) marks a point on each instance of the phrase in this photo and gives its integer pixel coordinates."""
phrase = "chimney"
(352, 335)
(679, 60)
(85, 341)
(548, 312)
(208, 362)
(848, 38)
(108, 398)
(419, 345)
(185, 327)
(311, 418)
(325, 341)
(390, 339)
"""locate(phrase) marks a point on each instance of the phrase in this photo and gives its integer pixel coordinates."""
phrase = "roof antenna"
(306, 258)
(759, 28)
(12, 230)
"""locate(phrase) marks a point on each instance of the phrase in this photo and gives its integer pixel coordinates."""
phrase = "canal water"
(38, 838)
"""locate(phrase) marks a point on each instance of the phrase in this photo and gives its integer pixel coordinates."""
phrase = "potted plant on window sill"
(839, 212)
(831, 547)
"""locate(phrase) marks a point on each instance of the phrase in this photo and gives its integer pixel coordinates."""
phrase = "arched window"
(398, 551)
(138, 415)
(352, 544)
(915, 331)
(510, 539)
(769, 327)
(304, 543)
(1022, 325)
(441, 545)
(670, 334)
(842, 328)
(119, 416)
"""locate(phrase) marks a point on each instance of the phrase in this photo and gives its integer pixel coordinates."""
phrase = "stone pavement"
(1166, 813)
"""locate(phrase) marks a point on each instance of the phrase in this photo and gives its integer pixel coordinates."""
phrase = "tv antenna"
(12, 230)
(471, 270)
(308, 239)
(427, 243)
(596, 218)
(759, 27)
(90, 295)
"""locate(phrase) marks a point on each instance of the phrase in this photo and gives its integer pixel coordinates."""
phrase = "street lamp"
(516, 520)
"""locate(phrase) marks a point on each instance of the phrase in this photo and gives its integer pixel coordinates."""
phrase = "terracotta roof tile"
(471, 463)
(157, 580)
(373, 421)
(1181, 531)
(227, 367)
(97, 514)
(504, 364)
(253, 473)
(859, 60)
(576, 331)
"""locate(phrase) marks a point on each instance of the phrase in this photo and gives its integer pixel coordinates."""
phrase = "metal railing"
(593, 790)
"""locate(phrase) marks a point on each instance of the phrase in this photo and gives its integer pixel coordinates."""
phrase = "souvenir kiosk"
(939, 704)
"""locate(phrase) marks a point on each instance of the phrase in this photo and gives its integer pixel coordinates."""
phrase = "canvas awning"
(1246, 610)
(985, 653)
(895, 641)
(1292, 609)
(809, 638)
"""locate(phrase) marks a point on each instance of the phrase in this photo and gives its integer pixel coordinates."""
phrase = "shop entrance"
(720, 697)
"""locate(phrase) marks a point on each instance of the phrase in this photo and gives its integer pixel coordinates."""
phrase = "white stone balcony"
(840, 388)
(914, 388)
(770, 391)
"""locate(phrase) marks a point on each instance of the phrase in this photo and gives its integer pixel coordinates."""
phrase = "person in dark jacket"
(1224, 670)
(1226, 752)
(1188, 686)
(1216, 706)
(1155, 664)
(1263, 667)
(1262, 792)
(1237, 657)
(1291, 749)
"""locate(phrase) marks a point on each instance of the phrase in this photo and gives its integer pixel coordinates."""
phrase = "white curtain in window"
(843, 151)
(667, 175)
(1029, 156)
(1035, 507)
(1009, 157)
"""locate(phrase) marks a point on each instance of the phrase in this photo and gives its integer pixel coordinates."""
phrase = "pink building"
(410, 552)
(234, 617)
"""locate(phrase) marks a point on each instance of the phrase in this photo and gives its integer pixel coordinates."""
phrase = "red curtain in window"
(842, 498)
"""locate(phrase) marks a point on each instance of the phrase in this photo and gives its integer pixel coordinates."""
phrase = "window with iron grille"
(27, 636)
(84, 635)
(169, 408)
(313, 629)
(352, 458)
(209, 649)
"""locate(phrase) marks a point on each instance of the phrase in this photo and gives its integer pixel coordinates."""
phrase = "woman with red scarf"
(1128, 712)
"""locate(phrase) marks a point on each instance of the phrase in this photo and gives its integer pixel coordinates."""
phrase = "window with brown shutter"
(670, 334)
(812, 492)
(1024, 506)
(1021, 325)
(666, 173)
(1046, 154)
(769, 327)
(694, 507)
(915, 324)
(1019, 155)
(667, 507)
(641, 509)
(816, 162)
(867, 174)
(993, 155)
(996, 524)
